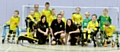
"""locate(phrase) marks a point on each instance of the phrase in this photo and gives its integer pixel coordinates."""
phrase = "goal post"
(71, 7)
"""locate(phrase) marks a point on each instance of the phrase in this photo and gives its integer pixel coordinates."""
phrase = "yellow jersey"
(64, 20)
(93, 25)
(31, 18)
(109, 30)
(37, 15)
(47, 13)
(77, 18)
(52, 18)
(14, 22)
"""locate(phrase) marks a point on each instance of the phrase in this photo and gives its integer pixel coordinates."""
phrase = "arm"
(110, 20)
(40, 31)
(9, 21)
(76, 31)
(99, 19)
(81, 19)
(73, 18)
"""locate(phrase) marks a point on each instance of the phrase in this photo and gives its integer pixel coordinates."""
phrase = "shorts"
(12, 32)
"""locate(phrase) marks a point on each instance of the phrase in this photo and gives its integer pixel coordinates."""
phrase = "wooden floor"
(26, 47)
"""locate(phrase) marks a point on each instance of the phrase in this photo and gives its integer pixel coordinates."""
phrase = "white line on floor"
(8, 49)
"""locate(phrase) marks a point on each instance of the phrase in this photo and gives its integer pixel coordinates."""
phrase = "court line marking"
(8, 49)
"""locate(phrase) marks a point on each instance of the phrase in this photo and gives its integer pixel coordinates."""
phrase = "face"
(62, 13)
(105, 12)
(59, 18)
(47, 6)
(54, 12)
(87, 15)
(69, 23)
(31, 12)
(15, 13)
(77, 10)
(93, 18)
(36, 7)
(43, 19)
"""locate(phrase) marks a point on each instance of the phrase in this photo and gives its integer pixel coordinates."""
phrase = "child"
(47, 12)
(104, 18)
(109, 30)
(77, 17)
(84, 25)
(63, 18)
(53, 16)
(13, 22)
(36, 12)
(92, 28)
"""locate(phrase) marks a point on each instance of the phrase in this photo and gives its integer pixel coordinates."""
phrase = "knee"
(62, 35)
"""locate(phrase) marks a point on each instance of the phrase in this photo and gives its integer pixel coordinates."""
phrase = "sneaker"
(105, 44)
(3, 41)
(113, 44)
(8, 39)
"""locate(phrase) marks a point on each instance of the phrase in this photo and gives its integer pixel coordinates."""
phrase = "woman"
(73, 31)
(42, 30)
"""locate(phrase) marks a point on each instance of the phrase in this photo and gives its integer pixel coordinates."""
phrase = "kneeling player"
(73, 31)
(109, 30)
(57, 30)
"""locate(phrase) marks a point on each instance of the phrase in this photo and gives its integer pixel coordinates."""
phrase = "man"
(57, 30)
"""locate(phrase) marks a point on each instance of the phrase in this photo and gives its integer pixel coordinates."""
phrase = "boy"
(63, 18)
(37, 14)
(47, 12)
(84, 25)
(109, 30)
(13, 22)
(53, 16)
(77, 17)
(92, 28)
(104, 18)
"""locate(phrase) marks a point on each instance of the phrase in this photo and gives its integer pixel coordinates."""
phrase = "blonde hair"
(87, 13)
(78, 8)
(105, 9)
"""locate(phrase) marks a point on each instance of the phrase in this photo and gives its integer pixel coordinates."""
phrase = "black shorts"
(12, 32)
(73, 35)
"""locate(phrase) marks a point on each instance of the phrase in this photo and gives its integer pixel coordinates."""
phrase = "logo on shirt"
(60, 26)
(44, 25)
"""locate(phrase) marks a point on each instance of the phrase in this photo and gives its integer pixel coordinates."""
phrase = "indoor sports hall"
(59, 26)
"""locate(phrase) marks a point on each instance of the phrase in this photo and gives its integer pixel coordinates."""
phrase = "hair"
(16, 11)
(47, 3)
(36, 5)
(106, 23)
(88, 13)
(53, 9)
(105, 9)
(94, 15)
(58, 15)
(43, 17)
(71, 23)
(77, 8)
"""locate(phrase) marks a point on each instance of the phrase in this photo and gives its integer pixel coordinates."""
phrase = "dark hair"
(47, 3)
(71, 23)
(16, 11)
(94, 15)
(43, 17)
(58, 15)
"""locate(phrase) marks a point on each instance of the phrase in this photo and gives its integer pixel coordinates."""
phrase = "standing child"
(36, 12)
(13, 22)
(104, 18)
(47, 12)
(62, 12)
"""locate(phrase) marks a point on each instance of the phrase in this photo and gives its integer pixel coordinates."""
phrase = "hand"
(45, 33)
(35, 22)
(55, 33)
(70, 32)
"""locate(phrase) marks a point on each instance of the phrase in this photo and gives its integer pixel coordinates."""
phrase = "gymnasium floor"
(26, 47)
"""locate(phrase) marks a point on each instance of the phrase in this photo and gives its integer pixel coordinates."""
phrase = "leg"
(4, 34)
